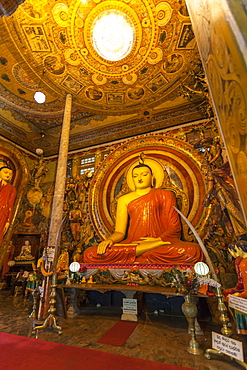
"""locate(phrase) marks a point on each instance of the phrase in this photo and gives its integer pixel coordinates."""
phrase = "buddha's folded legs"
(178, 252)
(114, 254)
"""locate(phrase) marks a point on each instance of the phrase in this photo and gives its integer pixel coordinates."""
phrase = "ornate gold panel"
(52, 42)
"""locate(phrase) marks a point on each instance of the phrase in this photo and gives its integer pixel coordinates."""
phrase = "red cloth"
(151, 215)
(7, 199)
(23, 353)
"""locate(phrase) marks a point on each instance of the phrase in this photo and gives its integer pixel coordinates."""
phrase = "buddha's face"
(6, 174)
(142, 177)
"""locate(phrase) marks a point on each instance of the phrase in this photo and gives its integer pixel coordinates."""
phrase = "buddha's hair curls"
(9, 168)
(142, 165)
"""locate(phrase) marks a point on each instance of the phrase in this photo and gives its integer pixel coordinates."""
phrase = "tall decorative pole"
(56, 218)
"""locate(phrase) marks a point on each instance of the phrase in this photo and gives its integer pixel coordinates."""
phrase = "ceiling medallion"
(75, 42)
(113, 35)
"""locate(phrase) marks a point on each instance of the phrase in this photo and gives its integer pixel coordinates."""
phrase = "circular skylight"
(113, 35)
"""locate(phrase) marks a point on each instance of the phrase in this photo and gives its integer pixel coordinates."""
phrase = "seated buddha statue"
(152, 225)
(26, 252)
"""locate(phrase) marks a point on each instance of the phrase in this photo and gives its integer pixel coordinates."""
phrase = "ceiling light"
(113, 35)
(39, 151)
(39, 97)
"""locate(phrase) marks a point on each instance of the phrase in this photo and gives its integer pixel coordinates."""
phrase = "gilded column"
(97, 158)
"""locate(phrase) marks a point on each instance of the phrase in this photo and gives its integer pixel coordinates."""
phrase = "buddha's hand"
(159, 241)
(151, 243)
(148, 243)
(103, 245)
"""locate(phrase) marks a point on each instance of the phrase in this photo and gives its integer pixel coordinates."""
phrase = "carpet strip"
(24, 353)
(119, 333)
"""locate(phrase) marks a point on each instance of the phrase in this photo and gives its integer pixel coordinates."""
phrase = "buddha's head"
(152, 174)
(6, 173)
(142, 176)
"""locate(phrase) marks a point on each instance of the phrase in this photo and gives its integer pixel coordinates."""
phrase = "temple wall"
(195, 141)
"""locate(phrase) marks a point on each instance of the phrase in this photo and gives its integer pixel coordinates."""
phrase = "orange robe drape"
(7, 199)
(151, 215)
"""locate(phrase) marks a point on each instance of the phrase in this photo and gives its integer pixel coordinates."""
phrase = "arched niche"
(181, 163)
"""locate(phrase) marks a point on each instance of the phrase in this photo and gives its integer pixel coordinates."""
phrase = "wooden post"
(57, 205)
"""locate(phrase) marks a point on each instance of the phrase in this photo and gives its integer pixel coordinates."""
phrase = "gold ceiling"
(48, 46)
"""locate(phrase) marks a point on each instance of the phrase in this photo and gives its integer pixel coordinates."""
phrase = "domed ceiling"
(131, 66)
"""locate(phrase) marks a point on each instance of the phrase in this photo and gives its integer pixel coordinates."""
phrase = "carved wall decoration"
(173, 63)
(23, 78)
(225, 67)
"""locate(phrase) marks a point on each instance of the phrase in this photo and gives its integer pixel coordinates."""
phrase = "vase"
(190, 312)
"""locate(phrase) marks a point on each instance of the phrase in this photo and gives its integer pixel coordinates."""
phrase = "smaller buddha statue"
(77, 257)
(63, 261)
(26, 252)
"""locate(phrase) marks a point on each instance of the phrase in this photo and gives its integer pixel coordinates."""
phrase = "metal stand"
(50, 321)
(35, 300)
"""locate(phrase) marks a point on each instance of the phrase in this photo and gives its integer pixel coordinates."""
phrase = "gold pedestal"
(226, 325)
(35, 301)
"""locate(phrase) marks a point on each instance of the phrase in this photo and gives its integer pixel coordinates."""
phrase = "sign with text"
(228, 346)
(130, 306)
(238, 303)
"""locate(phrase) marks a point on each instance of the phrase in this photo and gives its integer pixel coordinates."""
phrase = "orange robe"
(243, 270)
(7, 199)
(151, 215)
